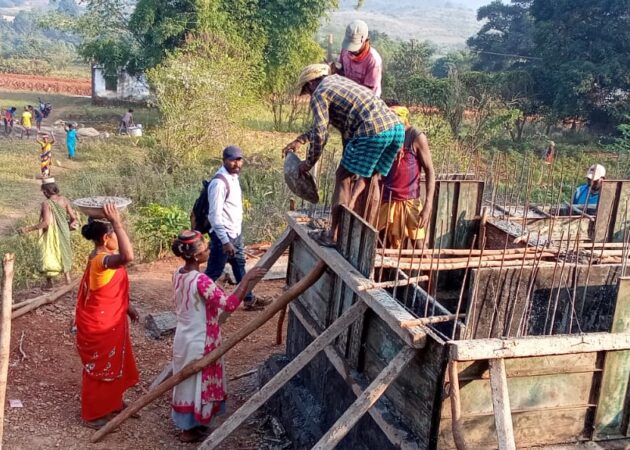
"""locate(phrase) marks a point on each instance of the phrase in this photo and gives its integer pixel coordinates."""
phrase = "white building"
(122, 88)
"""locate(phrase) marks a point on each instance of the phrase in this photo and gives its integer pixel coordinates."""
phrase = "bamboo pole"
(292, 293)
(5, 333)
(476, 263)
(463, 252)
(430, 320)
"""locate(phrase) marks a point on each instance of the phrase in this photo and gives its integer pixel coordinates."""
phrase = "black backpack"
(199, 213)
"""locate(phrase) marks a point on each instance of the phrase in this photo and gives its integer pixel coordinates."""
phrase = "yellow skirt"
(391, 216)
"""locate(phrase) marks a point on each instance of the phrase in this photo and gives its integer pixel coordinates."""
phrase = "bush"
(155, 228)
(25, 66)
(201, 91)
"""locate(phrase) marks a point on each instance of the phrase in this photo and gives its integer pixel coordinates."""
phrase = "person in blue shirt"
(71, 139)
(588, 193)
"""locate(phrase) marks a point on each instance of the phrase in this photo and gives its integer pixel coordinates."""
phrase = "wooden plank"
(282, 377)
(397, 436)
(443, 220)
(468, 208)
(614, 387)
(541, 392)
(623, 212)
(471, 350)
(531, 428)
(501, 405)
(610, 211)
(532, 366)
(378, 300)
(365, 401)
(509, 290)
(277, 249)
(417, 392)
(363, 260)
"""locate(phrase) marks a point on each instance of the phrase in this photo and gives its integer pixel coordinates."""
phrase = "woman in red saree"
(103, 342)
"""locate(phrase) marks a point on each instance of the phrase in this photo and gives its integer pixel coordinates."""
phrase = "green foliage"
(621, 144)
(23, 44)
(575, 55)
(157, 226)
(200, 90)
(25, 66)
(505, 37)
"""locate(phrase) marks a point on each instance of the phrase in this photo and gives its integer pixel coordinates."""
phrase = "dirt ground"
(45, 374)
(38, 83)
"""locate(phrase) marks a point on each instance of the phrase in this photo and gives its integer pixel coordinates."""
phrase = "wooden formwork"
(513, 392)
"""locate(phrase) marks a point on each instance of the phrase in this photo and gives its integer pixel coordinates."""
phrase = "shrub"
(25, 66)
(155, 228)
(200, 90)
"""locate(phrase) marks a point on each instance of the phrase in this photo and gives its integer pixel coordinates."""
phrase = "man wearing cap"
(225, 215)
(587, 194)
(359, 61)
(372, 135)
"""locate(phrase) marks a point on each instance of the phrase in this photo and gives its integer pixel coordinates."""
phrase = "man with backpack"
(220, 214)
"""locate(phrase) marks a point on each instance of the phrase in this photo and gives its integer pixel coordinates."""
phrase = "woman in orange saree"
(103, 341)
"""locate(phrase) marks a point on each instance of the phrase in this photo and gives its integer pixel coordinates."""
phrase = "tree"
(461, 59)
(585, 45)
(506, 39)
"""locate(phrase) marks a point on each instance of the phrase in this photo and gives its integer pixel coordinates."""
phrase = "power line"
(507, 54)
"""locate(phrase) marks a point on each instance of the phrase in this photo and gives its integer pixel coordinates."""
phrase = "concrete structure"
(124, 88)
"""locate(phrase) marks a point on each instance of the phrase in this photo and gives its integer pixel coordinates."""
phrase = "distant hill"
(446, 23)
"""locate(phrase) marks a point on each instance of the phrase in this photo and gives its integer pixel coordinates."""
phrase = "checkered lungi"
(365, 156)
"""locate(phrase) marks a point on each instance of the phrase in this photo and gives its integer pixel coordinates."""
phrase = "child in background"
(45, 156)
(198, 303)
(71, 139)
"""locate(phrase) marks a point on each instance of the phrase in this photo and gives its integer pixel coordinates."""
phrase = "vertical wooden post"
(612, 394)
(456, 407)
(5, 333)
(501, 405)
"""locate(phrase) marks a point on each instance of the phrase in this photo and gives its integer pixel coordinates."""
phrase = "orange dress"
(103, 341)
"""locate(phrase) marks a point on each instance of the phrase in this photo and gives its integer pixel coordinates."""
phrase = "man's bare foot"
(68, 278)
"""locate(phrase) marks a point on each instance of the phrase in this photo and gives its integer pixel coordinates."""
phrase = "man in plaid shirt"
(371, 133)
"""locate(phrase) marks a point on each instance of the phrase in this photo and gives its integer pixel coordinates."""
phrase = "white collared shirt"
(225, 213)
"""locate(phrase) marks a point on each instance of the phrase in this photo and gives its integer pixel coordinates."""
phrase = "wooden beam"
(399, 438)
(269, 258)
(456, 407)
(282, 377)
(22, 308)
(472, 350)
(5, 332)
(501, 405)
(195, 366)
(378, 300)
(614, 384)
(366, 400)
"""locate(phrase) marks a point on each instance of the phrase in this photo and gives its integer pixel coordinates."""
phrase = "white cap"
(596, 172)
(48, 180)
(356, 35)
